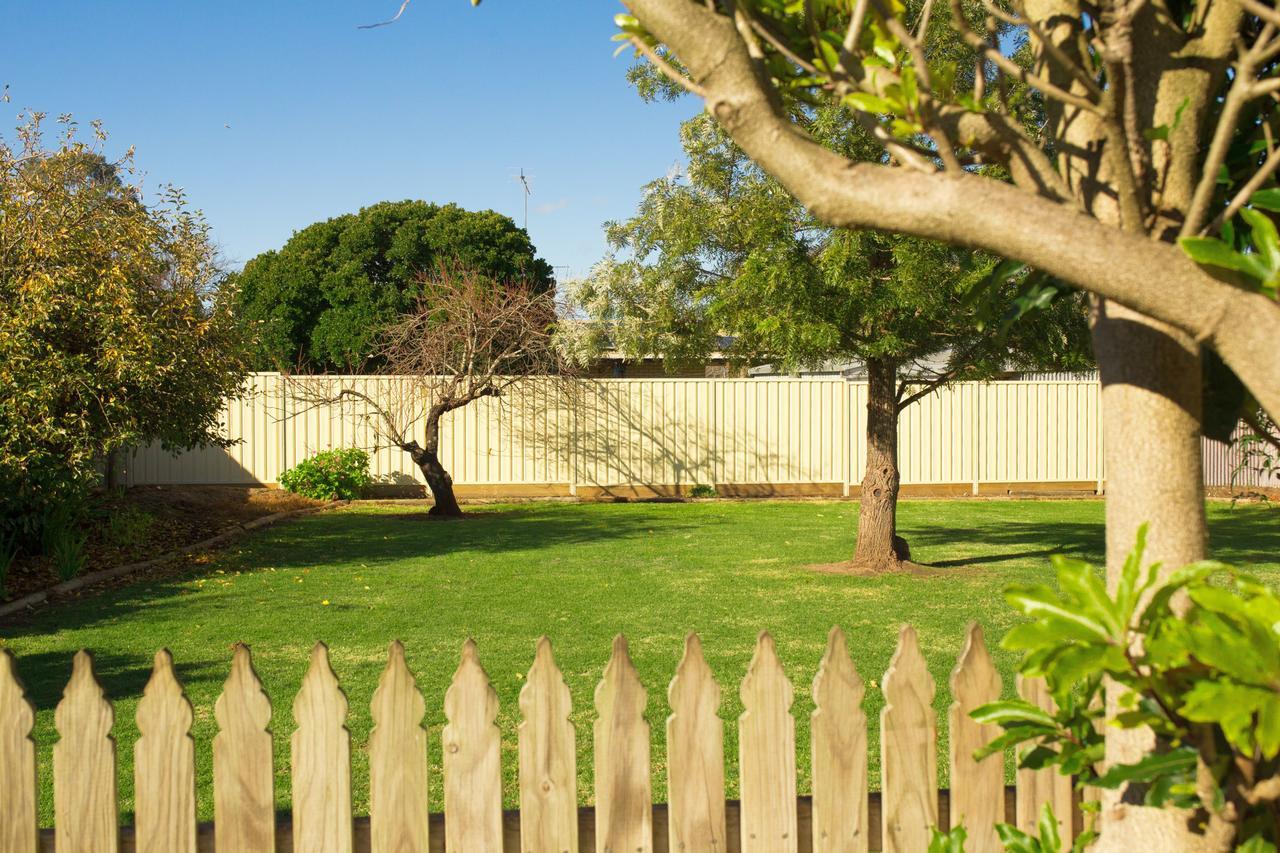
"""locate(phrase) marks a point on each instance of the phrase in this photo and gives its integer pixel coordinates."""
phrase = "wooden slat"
(243, 780)
(977, 801)
(908, 750)
(695, 756)
(321, 761)
(398, 761)
(624, 813)
(838, 728)
(1037, 787)
(17, 762)
(548, 759)
(164, 764)
(84, 765)
(767, 754)
(472, 759)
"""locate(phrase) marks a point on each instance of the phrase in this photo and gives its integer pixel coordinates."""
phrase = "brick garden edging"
(28, 601)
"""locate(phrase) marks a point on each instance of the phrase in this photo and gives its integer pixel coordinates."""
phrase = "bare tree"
(471, 338)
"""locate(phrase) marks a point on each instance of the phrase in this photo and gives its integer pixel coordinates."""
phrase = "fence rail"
(840, 816)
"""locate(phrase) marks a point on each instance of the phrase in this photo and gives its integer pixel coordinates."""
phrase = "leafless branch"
(392, 20)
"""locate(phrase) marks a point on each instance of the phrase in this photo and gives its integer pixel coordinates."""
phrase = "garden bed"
(147, 522)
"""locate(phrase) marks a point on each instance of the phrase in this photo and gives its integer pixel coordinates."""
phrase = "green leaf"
(1009, 712)
(1050, 840)
(865, 103)
(1268, 199)
(1177, 761)
(1017, 841)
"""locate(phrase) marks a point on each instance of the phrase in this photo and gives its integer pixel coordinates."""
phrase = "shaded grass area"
(579, 573)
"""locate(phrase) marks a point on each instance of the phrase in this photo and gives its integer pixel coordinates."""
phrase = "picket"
(979, 803)
(908, 749)
(472, 759)
(548, 759)
(84, 764)
(243, 783)
(18, 832)
(838, 739)
(321, 762)
(164, 764)
(695, 756)
(767, 754)
(624, 799)
(398, 761)
(1037, 788)
(770, 816)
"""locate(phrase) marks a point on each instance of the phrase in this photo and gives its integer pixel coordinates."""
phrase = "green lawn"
(362, 576)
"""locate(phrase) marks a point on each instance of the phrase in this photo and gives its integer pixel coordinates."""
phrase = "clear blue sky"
(444, 105)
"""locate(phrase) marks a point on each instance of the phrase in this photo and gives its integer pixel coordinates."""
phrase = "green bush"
(1197, 657)
(65, 547)
(128, 527)
(702, 490)
(330, 476)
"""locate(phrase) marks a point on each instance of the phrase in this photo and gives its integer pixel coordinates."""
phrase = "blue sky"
(445, 105)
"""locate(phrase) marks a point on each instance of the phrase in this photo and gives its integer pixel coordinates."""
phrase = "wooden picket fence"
(769, 818)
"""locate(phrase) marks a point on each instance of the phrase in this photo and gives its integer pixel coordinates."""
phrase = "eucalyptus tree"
(723, 257)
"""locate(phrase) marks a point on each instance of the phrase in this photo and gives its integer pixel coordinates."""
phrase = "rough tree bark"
(428, 461)
(879, 548)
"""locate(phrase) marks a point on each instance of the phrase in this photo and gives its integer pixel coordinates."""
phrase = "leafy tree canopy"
(723, 249)
(322, 300)
(114, 327)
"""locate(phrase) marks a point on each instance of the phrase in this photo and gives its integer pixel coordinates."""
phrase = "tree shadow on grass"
(370, 539)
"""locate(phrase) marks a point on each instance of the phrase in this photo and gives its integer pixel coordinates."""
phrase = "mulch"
(182, 516)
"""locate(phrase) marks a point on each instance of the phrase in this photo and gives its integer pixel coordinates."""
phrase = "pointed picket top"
(695, 755)
(837, 683)
(624, 798)
(765, 675)
(243, 769)
(908, 745)
(979, 803)
(84, 764)
(472, 759)
(243, 706)
(17, 761)
(548, 759)
(163, 707)
(838, 728)
(164, 764)
(321, 755)
(398, 760)
(320, 697)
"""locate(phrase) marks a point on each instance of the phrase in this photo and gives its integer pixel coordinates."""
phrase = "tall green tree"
(724, 250)
(321, 302)
(115, 329)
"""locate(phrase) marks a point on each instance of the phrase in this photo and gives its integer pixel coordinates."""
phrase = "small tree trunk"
(879, 548)
(112, 473)
(438, 479)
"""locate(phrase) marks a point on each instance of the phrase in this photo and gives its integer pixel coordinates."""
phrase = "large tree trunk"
(879, 548)
(1151, 391)
(438, 479)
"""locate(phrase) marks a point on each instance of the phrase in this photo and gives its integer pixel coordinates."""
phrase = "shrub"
(1198, 659)
(66, 549)
(127, 527)
(702, 490)
(330, 476)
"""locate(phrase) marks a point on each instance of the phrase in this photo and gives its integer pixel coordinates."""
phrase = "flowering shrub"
(330, 475)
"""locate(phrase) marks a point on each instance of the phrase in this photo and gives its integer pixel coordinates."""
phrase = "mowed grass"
(364, 575)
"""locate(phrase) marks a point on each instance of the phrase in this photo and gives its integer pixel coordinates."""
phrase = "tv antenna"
(528, 191)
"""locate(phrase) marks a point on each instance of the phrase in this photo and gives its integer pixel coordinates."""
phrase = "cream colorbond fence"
(744, 435)
(840, 817)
